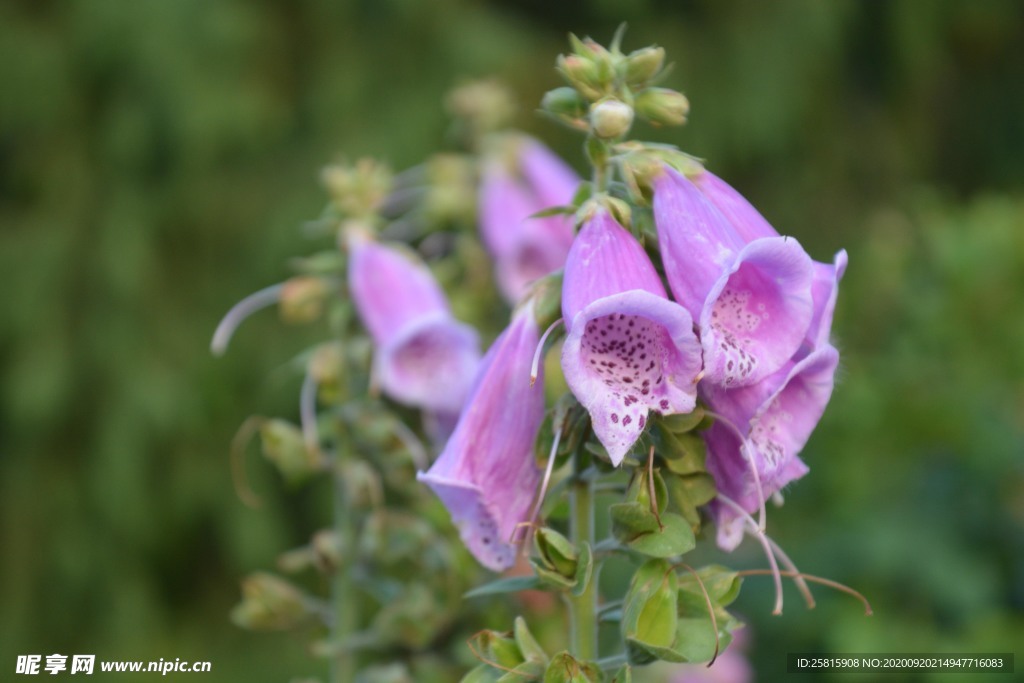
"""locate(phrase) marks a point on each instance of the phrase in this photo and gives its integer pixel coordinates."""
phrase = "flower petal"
(745, 219)
(757, 314)
(790, 404)
(486, 474)
(825, 291)
(430, 363)
(625, 355)
(551, 179)
(504, 204)
(390, 286)
(697, 242)
(604, 260)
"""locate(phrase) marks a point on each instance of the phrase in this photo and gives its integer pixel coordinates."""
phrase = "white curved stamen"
(798, 578)
(745, 451)
(535, 366)
(763, 540)
(239, 312)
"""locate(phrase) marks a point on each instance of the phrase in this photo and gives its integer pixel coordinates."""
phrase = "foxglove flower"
(751, 225)
(628, 349)
(424, 357)
(525, 248)
(777, 413)
(486, 475)
(776, 416)
(752, 299)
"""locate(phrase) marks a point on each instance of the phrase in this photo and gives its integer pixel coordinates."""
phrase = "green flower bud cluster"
(607, 89)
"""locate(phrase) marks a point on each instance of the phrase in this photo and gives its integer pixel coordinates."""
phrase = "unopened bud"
(326, 367)
(302, 299)
(357, 189)
(556, 552)
(565, 103)
(643, 65)
(284, 446)
(611, 119)
(662, 107)
(328, 549)
(269, 603)
(582, 74)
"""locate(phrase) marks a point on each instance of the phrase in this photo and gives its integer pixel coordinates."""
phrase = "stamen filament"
(762, 519)
(763, 540)
(239, 312)
(798, 578)
(535, 366)
(843, 588)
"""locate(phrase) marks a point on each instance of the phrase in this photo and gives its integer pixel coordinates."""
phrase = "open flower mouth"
(757, 315)
(430, 364)
(626, 355)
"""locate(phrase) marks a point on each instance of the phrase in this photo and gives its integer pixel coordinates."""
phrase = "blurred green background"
(158, 158)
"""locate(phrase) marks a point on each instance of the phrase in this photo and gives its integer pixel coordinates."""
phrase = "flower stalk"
(583, 608)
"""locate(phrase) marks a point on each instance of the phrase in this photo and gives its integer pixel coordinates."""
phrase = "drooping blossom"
(514, 186)
(751, 225)
(751, 295)
(628, 348)
(423, 357)
(773, 412)
(486, 475)
(776, 416)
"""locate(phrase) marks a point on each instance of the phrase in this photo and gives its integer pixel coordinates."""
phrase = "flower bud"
(611, 118)
(565, 103)
(662, 106)
(581, 74)
(284, 447)
(269, 603)
(643, 65)
(557, 553)
(302, 299)
(357, 189)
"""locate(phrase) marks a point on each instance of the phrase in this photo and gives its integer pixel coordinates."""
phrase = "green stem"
(344, 605)
(583, 608)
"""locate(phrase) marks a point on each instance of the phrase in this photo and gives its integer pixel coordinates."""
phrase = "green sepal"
(497, 648)
(722, 586)
(564, 668)
(650, 619)
(481, 674)
(509, 584)
(675, 537)
(689, 493)
(584, 569)
(623, 675)
(680, 422)
(630, 520)
(556, 552)
(528, 645)
(530, 670)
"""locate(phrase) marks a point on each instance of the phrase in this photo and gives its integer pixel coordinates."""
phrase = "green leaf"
(623, 675)
(675, 538)
(511, 584)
